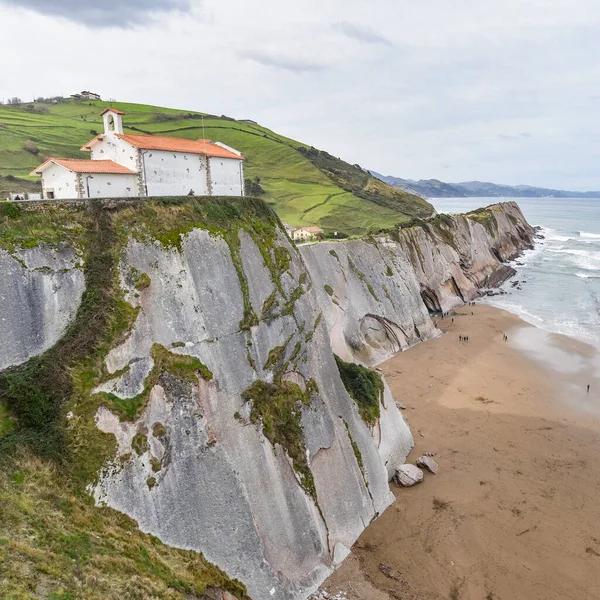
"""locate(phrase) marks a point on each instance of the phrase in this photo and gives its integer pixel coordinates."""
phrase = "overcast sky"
(456, 90)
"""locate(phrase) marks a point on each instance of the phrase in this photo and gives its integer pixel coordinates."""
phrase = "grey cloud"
(282, 62)
(120, 13)
(525, 134)
(361, 34)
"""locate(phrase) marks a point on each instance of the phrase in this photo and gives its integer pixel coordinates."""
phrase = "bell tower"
(113, 120)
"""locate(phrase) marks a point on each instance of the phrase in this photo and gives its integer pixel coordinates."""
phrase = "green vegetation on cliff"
(303, 185)
(278, 407)
(365, 388)
(55, 544)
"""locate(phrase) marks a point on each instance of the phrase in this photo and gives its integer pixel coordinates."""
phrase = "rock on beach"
(408, 475)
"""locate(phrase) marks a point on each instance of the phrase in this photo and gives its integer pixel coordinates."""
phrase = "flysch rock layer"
(222, 488)
(376, 294)
(40, 291)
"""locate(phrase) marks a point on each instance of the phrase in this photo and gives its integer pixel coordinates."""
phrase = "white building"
(125, 165)
(86, 95)
(305, 234)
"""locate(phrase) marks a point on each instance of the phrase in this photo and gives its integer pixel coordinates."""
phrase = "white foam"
(589, 236)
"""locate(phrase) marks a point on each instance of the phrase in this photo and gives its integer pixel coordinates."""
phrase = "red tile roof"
(115, 110)
(311, 229)
(169, 144)
(86, 166)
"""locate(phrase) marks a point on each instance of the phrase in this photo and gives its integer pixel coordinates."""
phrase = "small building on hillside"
(86, 95)
(125, 165)
(305, 234)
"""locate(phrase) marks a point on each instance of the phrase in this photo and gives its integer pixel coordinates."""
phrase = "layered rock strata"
(206, 462)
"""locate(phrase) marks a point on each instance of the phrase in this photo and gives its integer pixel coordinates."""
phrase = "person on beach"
(588, 388)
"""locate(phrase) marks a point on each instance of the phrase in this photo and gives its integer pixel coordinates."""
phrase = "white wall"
(227, 176)
(113, 148)
(60, 180)
(104, 185)
(174, 173)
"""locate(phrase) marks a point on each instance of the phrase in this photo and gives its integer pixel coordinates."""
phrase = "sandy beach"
(514, 512)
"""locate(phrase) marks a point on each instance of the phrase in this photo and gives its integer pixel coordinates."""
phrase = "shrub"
(365, 388)
(30, 146)
(10, 210)
(253, 187)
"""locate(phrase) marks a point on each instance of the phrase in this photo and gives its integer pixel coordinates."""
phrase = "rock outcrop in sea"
(231, 431)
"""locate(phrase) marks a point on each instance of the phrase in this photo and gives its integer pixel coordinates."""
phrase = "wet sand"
(514, 512)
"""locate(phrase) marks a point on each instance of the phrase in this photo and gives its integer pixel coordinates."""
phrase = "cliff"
(199, 393)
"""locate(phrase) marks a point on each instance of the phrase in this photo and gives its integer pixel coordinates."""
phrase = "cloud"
(360, 33)
(455, 77)
(119, 13)
(286, 63)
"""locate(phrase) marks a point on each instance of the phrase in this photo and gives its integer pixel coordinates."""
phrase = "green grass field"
(302, 186)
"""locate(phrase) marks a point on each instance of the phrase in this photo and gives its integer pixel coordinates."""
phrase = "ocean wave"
(575, 251)
(589, 236)
(587, 276)
(570, 326)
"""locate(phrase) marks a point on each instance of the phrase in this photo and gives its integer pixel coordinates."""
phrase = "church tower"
(113, 120)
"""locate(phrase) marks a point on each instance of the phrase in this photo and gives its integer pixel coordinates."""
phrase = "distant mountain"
(433, 188)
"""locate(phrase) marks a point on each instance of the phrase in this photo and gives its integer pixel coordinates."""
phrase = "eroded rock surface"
(211, 480)
(40, 291)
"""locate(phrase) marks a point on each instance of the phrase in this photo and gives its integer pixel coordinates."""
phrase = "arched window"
(110, 123)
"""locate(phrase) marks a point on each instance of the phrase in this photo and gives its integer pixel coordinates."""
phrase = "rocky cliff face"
(231, 431)
(40, 290)
(376, 293)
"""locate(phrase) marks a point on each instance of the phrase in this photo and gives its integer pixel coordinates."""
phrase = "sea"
(560, 289)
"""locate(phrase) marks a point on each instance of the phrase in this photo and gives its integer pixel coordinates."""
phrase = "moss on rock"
(139, 443)
(278, 407)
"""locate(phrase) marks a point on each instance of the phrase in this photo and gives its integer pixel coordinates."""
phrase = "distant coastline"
(434, 188)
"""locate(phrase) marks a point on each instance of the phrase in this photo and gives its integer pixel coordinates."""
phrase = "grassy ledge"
(183, 367)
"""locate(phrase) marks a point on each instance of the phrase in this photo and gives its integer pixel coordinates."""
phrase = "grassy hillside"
(304, 186)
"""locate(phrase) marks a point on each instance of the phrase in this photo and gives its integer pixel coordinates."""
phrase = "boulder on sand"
(426, 462)
(407, 475)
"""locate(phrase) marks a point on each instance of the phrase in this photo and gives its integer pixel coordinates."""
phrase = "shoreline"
(512, 513)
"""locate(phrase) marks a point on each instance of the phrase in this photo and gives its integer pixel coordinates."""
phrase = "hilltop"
(434, 188)
(305, 186)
